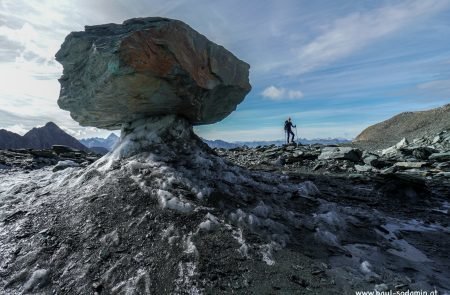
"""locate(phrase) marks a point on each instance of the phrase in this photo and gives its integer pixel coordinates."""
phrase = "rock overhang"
(114, 74)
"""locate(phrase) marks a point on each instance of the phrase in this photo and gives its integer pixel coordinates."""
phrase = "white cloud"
(32, 41)
(273, 92)
(357, 30)
(294, 94)
(78, 133)
(277, 94)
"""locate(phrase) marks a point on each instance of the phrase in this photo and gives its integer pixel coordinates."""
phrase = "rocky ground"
(426, 157)
(59, 157)
(163, 214)
(407, 185)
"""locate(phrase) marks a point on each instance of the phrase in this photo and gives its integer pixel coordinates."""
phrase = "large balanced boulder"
(114, 74)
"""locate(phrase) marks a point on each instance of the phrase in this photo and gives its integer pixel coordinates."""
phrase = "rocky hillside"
(50, 134)
(39, 138)
(10, 139)
(407, 125)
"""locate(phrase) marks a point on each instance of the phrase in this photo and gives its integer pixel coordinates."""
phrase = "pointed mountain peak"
(51, 125)
(112, 136)
(51, 134)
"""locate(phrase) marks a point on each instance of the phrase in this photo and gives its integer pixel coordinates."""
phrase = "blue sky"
(335, 67)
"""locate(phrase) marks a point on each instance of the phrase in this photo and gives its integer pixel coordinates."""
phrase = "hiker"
(288, 129)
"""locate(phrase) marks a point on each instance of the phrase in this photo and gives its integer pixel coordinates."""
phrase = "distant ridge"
(220, 144)
(229, 145)
(10, 140)
(39, 138)
(409, 125)
(108, 143)
(50, 134)
(98, 142)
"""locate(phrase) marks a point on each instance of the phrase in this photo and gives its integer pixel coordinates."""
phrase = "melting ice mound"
(148, 216)
(170, 162)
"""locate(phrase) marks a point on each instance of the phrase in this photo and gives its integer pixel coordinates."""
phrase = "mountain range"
(39, 138)
(304, 141)
(407, 125)
(50, 134)
(109, 142)
(95, 142)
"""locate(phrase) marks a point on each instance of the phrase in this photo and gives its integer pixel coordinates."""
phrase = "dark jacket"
(288, 125)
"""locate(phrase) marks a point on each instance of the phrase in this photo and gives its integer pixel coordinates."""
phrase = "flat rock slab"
(340, 153)
(410, 164)
(441, 157)
(114, 74)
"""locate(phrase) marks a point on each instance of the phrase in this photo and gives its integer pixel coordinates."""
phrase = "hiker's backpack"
(286, 125)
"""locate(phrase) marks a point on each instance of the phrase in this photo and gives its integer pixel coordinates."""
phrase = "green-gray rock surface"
(114, 74)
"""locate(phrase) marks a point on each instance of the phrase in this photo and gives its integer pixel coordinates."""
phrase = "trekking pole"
(296, 140)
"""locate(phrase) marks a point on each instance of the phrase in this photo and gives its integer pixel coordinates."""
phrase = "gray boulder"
(363, 168)
(440, 157)
(308, 189)
(370, 159)
(422, 153)
(410, 165)
(43, 153)
(114, 74)
(341, 153)
(62, 149)
(280, 161)
(443, 174)
(394, 150)
(64, 165)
